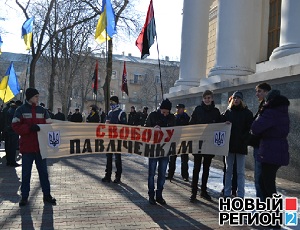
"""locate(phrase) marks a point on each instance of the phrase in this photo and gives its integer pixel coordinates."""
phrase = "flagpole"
(25, 82)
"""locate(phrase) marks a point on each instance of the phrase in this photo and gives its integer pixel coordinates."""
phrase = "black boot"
(152, 200)
(205, 195)
(23, 202)
(193, 198)
(107, 178)
(49, 199)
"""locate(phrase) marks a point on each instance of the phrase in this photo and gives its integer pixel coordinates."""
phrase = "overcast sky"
(168, 16)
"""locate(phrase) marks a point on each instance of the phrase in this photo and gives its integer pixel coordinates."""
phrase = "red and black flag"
(124, 87)
(148, 33)
(95, 79)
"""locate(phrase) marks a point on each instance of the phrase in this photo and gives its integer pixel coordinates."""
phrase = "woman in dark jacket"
(241, 119)
(93, 117)
(272, 125)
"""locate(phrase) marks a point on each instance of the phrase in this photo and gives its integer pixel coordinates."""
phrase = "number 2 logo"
(291, 219)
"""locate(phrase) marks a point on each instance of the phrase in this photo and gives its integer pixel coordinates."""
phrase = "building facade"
(239, 44)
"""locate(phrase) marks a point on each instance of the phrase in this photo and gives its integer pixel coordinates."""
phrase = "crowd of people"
(266, 132)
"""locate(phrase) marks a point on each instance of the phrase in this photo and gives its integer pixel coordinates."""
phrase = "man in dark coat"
(76, 117)
(115, 116)
(133, 117)
(160, 118)
(12, 141)
(206, 113)
(143, 116)
(181, 119)
(59, 115)
(93, 116)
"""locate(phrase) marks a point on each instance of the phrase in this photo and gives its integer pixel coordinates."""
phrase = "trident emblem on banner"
(219, 139)
(54, 139)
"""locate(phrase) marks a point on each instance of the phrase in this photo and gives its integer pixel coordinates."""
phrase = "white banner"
(67, 139)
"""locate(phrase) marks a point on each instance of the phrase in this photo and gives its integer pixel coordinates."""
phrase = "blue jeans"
(161, 177)
(41, 165)
(257, 173)
(240, 169)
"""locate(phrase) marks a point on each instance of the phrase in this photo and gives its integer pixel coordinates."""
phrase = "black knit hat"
(271, 94)
(30, 92)
(115, 99)
(166, 104)
(238, 94)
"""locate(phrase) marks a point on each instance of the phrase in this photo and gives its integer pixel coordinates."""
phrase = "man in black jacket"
(181, 119)
(206, 113)
(160, 118)
(77, 116)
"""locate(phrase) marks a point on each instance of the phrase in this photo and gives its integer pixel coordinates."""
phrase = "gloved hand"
(35, 127)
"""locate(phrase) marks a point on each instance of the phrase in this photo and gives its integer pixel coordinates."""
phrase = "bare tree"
(42, 10)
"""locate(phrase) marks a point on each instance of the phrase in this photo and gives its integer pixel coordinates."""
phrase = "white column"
(235, 50)
(289, 30)
(194, 37)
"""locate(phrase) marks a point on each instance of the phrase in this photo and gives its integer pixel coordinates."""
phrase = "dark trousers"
(41, 165)
(234, 176)
(205, 172)
(184, 166)
(11, 145)
(267, 179)
(118, 162)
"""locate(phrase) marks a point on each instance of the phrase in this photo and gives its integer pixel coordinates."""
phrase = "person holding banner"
(241, 119)
(115, 116)
(160, 118)
(206, 113)
(25, 123)
(181, 119)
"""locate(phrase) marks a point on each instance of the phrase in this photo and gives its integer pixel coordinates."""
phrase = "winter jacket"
(25, 116)
(117, 116)
(241, 119)
(254, 140)
(142, 116)
(93, 117)
(59, 116)
(182, 119)
(205, 114)
(272, 125)
(76, 117)
(156, 118)
(133, 118)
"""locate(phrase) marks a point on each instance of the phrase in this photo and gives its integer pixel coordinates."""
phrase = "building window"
(137, 79)
(114, 74)
(274, 25)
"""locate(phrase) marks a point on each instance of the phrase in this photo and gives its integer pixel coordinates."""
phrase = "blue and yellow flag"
(1, 42)
(106, 26)
(27, 28)
(9, 86)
